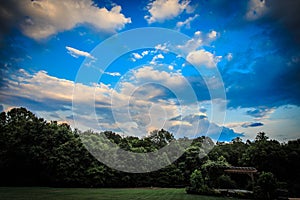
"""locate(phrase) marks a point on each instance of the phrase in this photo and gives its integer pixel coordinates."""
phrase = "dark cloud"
(287, 13)
(273, 80)
(1, 108)
(252, 124)
(48, 105)
(259, 112)
(177, 118)
(9, 15)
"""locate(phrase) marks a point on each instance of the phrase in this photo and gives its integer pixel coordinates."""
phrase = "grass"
(44, 193)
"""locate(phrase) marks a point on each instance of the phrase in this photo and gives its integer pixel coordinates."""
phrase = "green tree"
(265, 186)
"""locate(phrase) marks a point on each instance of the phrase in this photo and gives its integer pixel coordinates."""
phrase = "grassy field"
(18, 193)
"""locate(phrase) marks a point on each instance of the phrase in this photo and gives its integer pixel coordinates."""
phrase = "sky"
(219, 68)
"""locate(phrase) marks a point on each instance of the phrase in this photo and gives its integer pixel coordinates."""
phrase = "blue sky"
(220, 68)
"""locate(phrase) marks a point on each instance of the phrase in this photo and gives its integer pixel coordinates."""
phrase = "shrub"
(265, 186)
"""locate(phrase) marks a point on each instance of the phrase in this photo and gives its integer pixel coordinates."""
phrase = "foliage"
(224, 181)
(197, 185)
(265, 186)
(212, 170)
(36, 152)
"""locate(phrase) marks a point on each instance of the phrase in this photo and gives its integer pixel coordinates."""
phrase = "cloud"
(259, 112)
(256, 9)
(76, 53)
(41, 19)
(199, 40)
(195, 125)
(186, 23)
(247, 85)
(113, 73)
(229, 56)
(252, 124)
(155, 58)
(137, 56)
(212, 35)
(203, 58)
(193, 43)
(144, 93)
(144, 53)
(161, 47)
(161, 10)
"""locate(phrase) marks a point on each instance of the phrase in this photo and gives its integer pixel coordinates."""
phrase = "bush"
(265, 186)
(225, 181)
(197, 185)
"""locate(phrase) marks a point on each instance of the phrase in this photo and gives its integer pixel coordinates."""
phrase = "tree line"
(34, 152)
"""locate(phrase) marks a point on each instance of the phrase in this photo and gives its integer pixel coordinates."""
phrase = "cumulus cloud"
(144, 53)
(137, 105)
(198, 40)
(193, 43)
(212, 35)
(186, 23)
(194, 125)
(76, 53)
(161, 10)
(148, 104)
(161, 47)
(137, 56)
(155, 58)
(203, 58)
(41, 19)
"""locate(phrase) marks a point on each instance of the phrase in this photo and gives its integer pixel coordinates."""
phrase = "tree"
(265, 186)
(261, 136)
(160, 138)
(214, 169)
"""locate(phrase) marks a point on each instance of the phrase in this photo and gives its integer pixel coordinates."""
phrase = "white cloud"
(144, 53)
(203, 58)
(256, 9)
(41, 19)
(199, 39)
(229, 56)
(148, 73)
(76, 53)
(186, 23)
(113, 73)
(161, 47)
(212, 34)
(155, 58)
(170, 67)
(137, 56)
(161, 10)
(139, 102)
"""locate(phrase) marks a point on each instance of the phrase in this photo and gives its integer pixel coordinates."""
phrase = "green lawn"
(18, 193)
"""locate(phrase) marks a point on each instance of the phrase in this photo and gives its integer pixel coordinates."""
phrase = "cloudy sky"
(220, 68)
